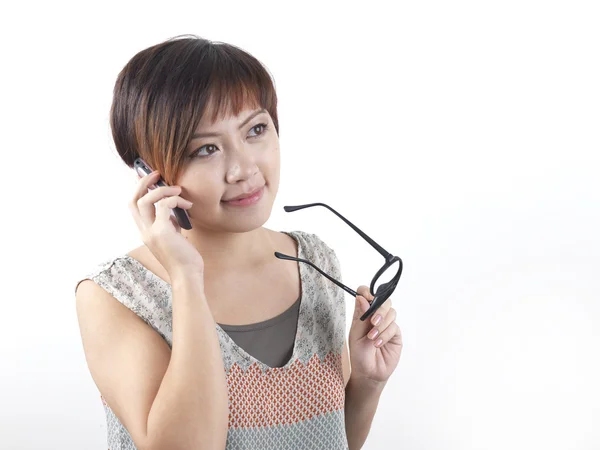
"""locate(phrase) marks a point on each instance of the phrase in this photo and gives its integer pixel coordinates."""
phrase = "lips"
(246, 195)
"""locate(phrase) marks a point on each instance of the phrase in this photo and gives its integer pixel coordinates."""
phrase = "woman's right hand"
(160, 231)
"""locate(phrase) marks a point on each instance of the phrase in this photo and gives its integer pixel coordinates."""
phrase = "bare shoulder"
(140, 253)
(126, 358)
(145, 257)
(287, 243)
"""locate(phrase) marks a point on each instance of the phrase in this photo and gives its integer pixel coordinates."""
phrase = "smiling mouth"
(247, 196)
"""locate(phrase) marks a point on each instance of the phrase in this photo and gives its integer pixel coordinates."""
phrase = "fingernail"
(377, 320)
(373, 333)
(379, 342)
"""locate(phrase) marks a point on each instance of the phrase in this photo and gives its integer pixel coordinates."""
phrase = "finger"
(146, 203)
(166, 205)
(141, 189)
(387, 335)
(175, 223)
(360, 308)
(364, 292)
(143, 184)
(386, 321)
(381, 311)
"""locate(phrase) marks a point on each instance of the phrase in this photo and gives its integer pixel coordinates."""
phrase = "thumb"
(359, 328)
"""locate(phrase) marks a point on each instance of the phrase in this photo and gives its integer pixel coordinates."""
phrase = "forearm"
(191, 407)
(362, 398)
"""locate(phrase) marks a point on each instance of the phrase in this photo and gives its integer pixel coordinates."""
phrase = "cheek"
(272, 161)
(201, 187)
(267, 156)
(273, 151)
(273, 170)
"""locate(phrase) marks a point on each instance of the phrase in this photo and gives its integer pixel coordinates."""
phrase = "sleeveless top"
(299, 405)
(270, 341)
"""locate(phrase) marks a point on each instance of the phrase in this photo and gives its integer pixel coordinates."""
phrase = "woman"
(201, 338)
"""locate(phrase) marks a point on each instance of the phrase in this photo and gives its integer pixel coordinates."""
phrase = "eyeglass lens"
(387, 275)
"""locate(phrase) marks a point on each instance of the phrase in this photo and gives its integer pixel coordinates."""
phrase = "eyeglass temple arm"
(375, 245)
(343, 286)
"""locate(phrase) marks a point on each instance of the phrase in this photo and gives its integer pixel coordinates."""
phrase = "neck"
(225, 252)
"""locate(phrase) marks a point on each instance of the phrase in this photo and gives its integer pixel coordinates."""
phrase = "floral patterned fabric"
(297, 406)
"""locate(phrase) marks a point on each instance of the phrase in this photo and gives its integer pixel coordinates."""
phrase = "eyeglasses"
(384, 288)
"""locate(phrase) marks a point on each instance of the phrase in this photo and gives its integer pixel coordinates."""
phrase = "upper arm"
(126, 357)
(346, 363)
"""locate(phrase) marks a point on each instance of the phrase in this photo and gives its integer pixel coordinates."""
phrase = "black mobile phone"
(143, 169)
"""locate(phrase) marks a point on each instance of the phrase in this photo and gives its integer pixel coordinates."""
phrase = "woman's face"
(240, 154)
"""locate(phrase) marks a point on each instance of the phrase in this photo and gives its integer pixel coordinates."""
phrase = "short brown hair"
(162, 93)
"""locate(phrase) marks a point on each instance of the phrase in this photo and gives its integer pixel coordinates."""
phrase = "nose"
(242, 164)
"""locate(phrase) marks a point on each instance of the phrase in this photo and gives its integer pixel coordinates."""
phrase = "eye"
(264, 126)
(197, 152)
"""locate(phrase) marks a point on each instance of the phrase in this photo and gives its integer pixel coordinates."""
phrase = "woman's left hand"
(369, 360)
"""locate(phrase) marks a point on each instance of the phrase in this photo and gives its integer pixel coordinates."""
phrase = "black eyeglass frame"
(384, 291)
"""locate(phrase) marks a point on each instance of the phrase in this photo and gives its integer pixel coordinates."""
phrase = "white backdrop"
(463, 136)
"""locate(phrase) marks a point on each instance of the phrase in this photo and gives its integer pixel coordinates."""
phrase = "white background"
(463, 136)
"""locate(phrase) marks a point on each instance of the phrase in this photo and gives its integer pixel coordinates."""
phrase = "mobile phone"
(143, 169)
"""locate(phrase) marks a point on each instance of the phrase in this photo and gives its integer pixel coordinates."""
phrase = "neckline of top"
(301, 313)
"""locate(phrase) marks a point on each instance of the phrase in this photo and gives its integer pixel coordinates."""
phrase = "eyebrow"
(252, 116)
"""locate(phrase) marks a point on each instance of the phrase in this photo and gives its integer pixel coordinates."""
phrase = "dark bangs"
(237, 82)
